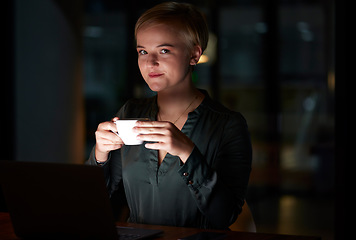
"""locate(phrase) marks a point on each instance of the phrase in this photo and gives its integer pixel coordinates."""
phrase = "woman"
(194, 165)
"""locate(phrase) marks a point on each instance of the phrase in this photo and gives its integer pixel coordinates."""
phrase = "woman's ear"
(196, 53)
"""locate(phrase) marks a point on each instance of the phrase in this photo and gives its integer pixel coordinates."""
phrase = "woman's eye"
(164, 51)
(142, 52)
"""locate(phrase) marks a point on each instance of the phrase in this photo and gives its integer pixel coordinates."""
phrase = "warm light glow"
(209, 55)
(203, 59)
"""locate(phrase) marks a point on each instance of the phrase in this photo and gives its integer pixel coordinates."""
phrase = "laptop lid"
(57, 200)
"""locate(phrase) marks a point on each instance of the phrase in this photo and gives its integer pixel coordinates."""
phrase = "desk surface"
(7, 232)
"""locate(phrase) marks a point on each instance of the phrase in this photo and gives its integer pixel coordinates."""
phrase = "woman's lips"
(155, 75)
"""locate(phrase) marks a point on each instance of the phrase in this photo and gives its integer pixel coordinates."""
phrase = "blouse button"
(185, 174)
(190, 182)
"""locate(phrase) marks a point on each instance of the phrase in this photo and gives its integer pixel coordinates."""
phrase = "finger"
(110, 147)
(113, 146)
(116, 133)
(152, 138)
(104, 141)
(155, 146)
(154, 127)
(107, 136)
(114, 119)
(151, 130)
(152, 123)
(108, 126)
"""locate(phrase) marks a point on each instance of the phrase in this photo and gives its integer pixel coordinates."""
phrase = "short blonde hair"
(186, 17)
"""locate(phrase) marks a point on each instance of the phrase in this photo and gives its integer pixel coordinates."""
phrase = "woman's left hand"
(166, 136)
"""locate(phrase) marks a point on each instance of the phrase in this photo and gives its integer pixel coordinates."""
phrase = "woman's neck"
(175, 99)
(176, 105)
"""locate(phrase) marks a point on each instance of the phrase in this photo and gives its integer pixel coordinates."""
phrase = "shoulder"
(219, 112)
(231, 124)
(228, 129)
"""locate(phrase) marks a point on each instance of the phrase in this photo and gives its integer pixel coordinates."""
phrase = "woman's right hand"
(106, 140)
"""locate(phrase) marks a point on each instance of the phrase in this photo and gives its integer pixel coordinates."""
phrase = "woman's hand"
(106, 140)
(166, 136)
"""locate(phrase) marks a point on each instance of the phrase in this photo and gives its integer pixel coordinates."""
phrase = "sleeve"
(219, 190)
(112, 167)
(105, 166)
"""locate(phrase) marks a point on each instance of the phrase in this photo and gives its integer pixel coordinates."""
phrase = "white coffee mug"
(126, 133)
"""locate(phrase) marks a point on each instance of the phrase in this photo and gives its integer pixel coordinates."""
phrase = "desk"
(169, 233)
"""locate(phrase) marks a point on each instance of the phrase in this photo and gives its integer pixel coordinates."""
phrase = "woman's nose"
(152, 60)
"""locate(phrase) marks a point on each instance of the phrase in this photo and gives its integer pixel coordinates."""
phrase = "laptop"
(61, 201)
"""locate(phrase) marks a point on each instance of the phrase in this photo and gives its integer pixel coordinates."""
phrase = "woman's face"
(163, 57)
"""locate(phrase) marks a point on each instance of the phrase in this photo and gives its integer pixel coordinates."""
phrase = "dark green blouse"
(207, 191)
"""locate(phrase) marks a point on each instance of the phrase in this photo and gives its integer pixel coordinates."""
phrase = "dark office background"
(69, 65)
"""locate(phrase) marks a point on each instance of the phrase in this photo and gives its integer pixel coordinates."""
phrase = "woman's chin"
(156, 87)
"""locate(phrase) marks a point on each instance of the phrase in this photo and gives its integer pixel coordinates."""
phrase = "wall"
(48, 89)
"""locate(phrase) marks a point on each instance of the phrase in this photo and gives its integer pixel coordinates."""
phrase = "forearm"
(101, 157)
(93, 161)
(220, 192)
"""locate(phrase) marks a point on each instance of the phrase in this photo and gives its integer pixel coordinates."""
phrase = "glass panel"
(105, 68)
